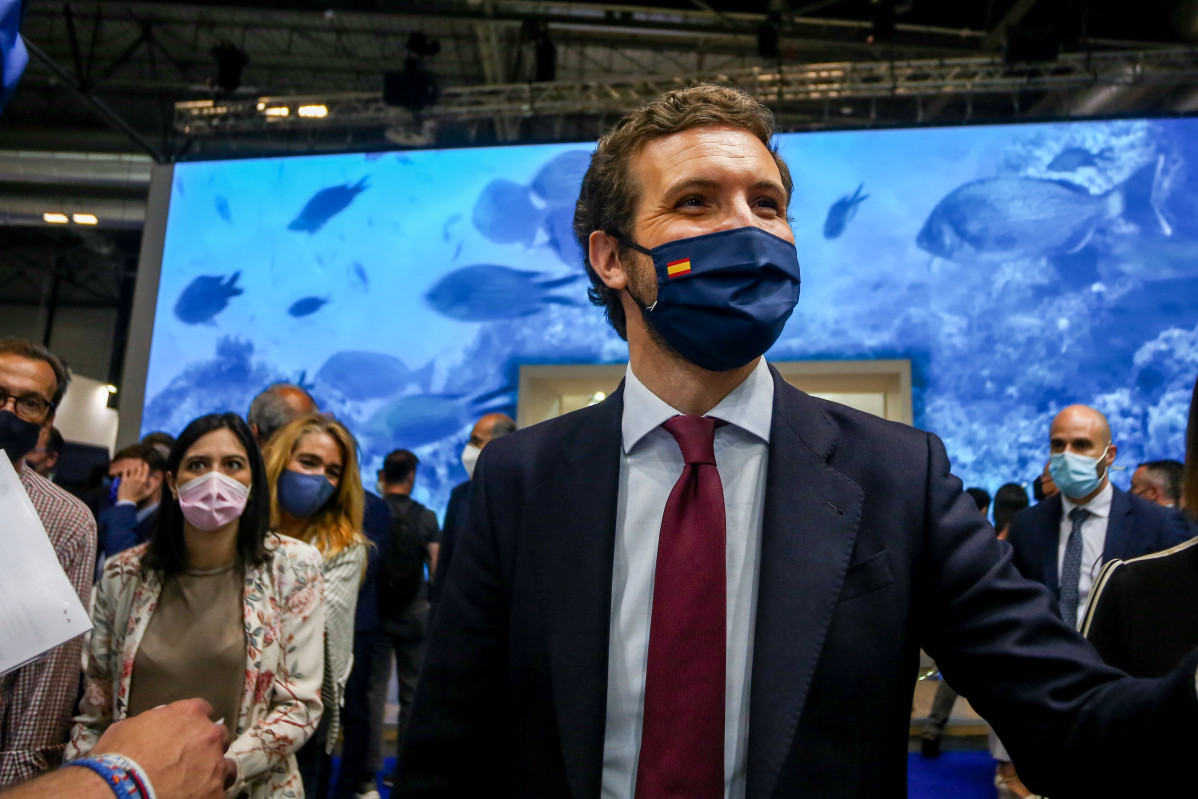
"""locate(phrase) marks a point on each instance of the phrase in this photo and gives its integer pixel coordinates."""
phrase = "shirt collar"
(1099, 506)
(146, 511)
(749, 406)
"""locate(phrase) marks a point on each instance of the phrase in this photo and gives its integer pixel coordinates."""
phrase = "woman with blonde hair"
(316, 496)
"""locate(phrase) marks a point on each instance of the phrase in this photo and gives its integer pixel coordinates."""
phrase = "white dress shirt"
(650, 465)
(1093, 542)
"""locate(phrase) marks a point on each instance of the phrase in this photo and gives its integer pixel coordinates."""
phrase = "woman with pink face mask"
(215, 606)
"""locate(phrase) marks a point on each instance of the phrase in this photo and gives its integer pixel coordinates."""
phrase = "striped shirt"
(36, 700)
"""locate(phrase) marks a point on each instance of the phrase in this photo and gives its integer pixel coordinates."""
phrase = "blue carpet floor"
(953, 775)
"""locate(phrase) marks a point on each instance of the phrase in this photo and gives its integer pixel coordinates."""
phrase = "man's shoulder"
(61, 512)
(571, 433)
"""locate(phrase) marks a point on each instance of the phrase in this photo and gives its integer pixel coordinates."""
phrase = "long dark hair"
(167, 551)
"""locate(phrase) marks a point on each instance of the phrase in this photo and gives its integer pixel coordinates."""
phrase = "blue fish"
(419, 419)
(1074, 158)
(1014, 217)
(559, 224)
(359, 278)
(361, 375)
(326, 204)
(559, 181)
(1009, 218)
(205, 297)
(485, 292)
(842, 212)
(307, 306)
(505, 214)
(222, 208)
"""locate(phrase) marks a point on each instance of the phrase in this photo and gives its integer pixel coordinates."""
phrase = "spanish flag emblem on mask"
(680, 267)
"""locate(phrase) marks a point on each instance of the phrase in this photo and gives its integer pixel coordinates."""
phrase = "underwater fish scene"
(1020, 268)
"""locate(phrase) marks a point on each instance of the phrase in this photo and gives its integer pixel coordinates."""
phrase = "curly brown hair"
(610, 191)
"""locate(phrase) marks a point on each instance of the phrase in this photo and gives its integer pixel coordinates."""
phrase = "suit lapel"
(574, 525)
(1118, 527)
(810, 526)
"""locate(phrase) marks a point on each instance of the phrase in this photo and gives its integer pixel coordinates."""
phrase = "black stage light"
(414, 89)
(546, 60)
(882, 24)
(230, 60)
(767, 39)
(420, 45)
(1032, 43)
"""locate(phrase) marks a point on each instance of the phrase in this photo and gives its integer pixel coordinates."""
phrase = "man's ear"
(156, 479)
(603, 252)
(1110, 455)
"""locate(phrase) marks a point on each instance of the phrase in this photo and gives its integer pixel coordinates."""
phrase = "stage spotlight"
(414, 89)
(230, 60)
(546, 61)
(420, 45)
(882, 24)
(767, 38)
(1032, 43)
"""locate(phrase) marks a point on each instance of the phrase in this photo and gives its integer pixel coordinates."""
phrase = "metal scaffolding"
(779, 87)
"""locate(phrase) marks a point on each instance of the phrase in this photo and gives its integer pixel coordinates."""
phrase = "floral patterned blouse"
(284, 632)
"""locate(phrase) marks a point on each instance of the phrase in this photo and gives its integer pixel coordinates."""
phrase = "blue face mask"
(722, 298)
(1076, 475)
(302, 495)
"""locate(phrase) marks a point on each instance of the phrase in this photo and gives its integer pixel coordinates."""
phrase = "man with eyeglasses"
(36, 700)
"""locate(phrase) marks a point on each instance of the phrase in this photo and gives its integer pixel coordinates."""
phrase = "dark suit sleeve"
(454, 745)
(455, 518)
(118, 529)
(1073, 725)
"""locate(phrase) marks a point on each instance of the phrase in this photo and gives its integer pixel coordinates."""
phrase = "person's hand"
(135, 484)
(181, 750)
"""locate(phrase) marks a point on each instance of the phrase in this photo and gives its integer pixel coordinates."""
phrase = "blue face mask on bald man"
(722, 298)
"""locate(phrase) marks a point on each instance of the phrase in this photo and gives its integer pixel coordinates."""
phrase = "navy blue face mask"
(17, 436)
(302, 495)
(722, 298)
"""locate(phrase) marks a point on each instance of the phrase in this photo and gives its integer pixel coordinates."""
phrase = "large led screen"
(1020, 268)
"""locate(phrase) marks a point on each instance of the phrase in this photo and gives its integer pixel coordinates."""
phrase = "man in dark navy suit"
(140, 468)
(573, 653)
(485, 430)
(1110, 523)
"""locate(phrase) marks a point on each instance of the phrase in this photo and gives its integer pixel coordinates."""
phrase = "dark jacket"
(869, 550)
(1135, 527)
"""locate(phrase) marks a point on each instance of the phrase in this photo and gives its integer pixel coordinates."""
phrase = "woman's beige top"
(194, 644)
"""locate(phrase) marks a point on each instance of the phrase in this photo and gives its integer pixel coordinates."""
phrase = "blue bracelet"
(132, 770)
(115, 777)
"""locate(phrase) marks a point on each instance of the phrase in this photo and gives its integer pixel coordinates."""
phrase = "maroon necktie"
(682, 739)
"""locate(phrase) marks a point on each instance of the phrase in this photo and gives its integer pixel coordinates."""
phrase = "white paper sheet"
(39, 608)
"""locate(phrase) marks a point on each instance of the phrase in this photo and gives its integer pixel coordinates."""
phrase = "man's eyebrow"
(708, 183)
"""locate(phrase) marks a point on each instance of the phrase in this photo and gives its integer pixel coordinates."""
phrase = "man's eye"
(693, 201)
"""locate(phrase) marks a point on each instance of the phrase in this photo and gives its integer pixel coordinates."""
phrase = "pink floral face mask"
(212, 500)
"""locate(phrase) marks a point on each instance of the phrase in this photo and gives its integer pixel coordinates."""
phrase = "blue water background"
(998, 345)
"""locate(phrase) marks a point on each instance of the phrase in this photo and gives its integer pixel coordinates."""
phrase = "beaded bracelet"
(126, 779)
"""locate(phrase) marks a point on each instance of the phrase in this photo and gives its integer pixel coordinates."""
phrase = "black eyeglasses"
(29, 407)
